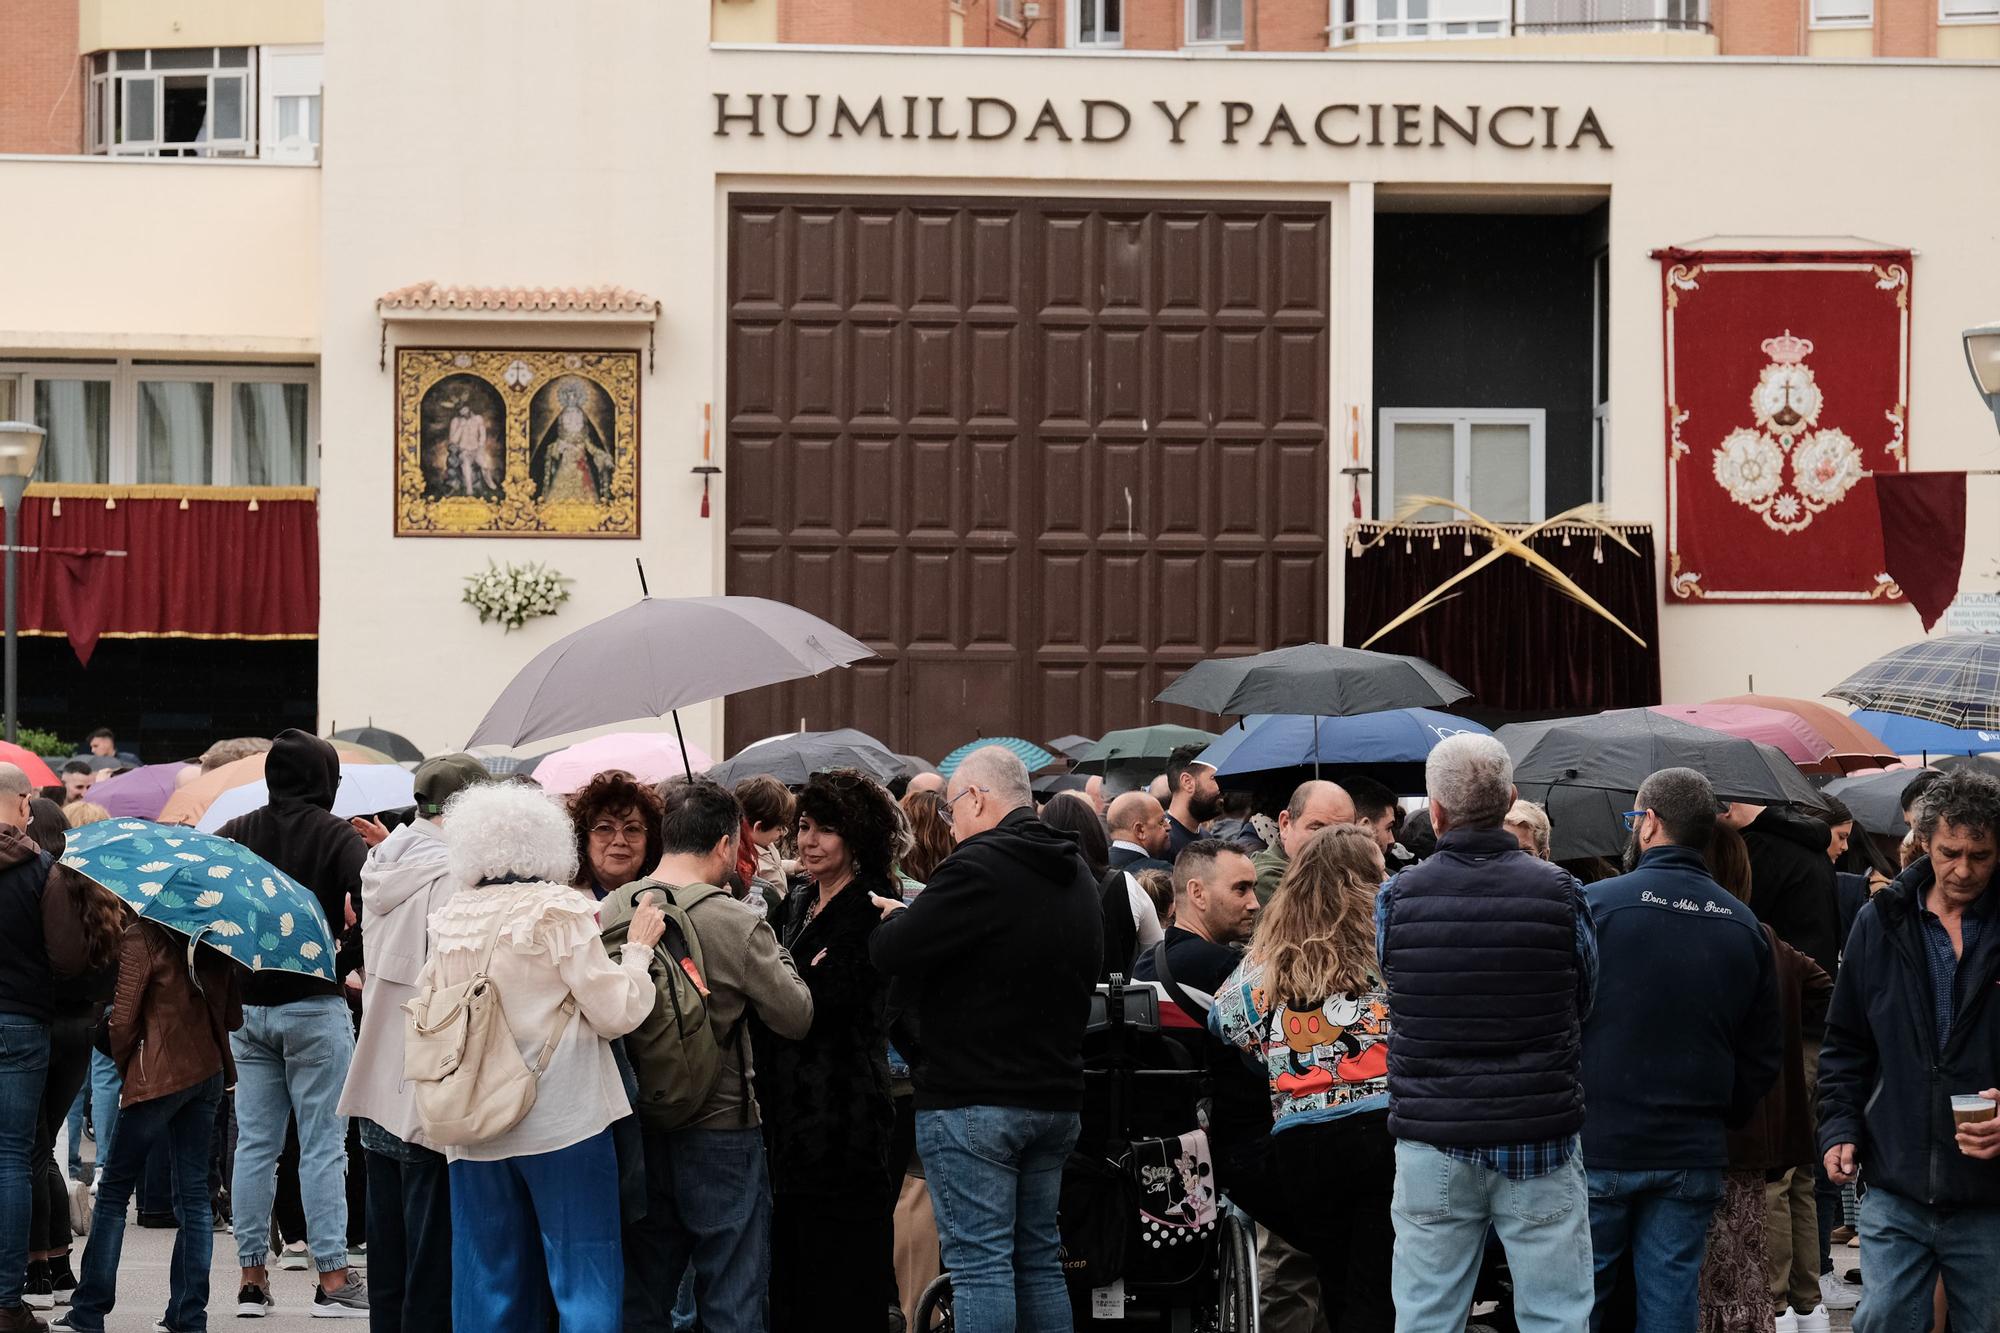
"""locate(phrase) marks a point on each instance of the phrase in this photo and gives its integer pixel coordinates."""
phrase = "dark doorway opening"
(170, 698)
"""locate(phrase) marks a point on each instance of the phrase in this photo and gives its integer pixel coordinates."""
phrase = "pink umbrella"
(1800, 741)
(140, 794)
(650, 756)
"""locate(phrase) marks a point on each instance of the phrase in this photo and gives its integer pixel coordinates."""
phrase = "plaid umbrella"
(1953, 679)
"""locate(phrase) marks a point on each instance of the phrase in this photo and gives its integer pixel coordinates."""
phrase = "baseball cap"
(441, 778)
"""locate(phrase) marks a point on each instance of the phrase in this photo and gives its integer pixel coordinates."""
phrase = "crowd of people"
(677, 1056)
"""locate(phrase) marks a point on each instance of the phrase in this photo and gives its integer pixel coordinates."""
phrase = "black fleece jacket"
(25, 977)
(998, 957)
(297, 833)
(1792, 884)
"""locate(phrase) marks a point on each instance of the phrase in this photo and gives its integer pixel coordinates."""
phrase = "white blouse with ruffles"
(549, 948)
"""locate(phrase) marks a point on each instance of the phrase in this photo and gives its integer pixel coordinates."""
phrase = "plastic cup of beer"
(1970, 1108)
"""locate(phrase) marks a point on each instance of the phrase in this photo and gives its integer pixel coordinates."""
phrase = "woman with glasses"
(826, 1097)
(617, 822)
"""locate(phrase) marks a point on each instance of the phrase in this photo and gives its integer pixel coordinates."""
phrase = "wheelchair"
(1147, 1240)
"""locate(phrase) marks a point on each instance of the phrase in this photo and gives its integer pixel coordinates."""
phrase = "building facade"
(1045, 373)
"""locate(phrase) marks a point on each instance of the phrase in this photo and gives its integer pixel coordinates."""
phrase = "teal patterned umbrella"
(209, 889)
(1031, 754)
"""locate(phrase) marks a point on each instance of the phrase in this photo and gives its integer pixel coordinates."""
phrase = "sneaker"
(1837, 1295)
(1787, 1322)
(36, 1293)
(348, 1301)
(1816, 1322)
(62, 1280)
(63, 1323)
(253, 1302)
(294, 1257)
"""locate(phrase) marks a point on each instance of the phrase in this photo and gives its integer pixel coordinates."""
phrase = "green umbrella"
(208, 888)
(1138, 746)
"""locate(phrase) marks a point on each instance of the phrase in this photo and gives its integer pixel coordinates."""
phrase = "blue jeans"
(1661, 1219)
(995, 1173)
(1906, 1247)
(708, 1208)
(291, 1060)
(24, 1068)
(183, 1121)
(102, 1090)
(516, 1220)
(1442, 1208)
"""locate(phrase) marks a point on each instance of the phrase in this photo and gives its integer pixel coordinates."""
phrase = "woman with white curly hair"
(535, 1209)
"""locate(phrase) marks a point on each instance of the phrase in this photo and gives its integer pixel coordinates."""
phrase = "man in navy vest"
(1491, 961)
(1679, 1048)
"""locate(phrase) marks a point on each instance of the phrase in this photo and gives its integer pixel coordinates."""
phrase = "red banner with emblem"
(1787, 390)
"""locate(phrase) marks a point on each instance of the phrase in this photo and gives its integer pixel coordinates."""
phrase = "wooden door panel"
(1040, 455)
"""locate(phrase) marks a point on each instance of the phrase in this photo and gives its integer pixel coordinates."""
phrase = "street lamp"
(20, 450)
(1982, 356)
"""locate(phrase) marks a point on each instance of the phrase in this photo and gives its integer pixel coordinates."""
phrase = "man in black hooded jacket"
(1000, 954)
(297, 1039)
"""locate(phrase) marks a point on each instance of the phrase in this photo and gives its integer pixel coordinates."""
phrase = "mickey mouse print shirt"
(1322, 1063)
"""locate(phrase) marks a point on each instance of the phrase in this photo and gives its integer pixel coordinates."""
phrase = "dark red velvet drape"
(217, 568)
(1509, 635)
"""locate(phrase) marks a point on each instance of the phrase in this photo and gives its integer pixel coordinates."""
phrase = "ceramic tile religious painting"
(517, 443)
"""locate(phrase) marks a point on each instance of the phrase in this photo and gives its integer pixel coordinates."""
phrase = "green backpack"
(674, 1051)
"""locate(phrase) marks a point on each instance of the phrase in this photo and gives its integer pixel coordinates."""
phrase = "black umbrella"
(1139, 748)
(1587, 771)
(1050, 783)
(1071, 747)
(1313, 679)
(793, 759)
(397, 746)
(1875, 799)
(1969, 763)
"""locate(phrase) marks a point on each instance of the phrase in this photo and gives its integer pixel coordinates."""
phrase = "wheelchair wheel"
(1236, 1276)
(934, 1313)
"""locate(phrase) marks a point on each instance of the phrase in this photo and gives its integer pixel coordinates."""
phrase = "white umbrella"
(365, 789)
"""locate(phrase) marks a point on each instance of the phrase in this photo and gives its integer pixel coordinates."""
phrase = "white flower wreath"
(515, 594)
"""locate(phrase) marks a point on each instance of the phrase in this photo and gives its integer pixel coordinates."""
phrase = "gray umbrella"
(1587, 771)
(793, 759)
(1313, 679)
(658, 655)
(1876, 799)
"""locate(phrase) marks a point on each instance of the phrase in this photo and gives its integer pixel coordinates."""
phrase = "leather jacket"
(170, 1024)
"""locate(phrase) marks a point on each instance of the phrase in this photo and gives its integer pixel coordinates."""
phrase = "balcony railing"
(1430, 20)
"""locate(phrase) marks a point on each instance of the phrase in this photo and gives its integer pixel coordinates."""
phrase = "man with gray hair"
(1681, 1050)
(15, 793)
(996, 961)
(1491, 962)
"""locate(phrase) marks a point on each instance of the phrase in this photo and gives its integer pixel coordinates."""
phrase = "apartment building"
(1046, 373)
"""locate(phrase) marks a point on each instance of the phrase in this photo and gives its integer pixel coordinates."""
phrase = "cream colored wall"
(1969, 41)
(1577, 44)
(744, 20)
(159, 256)
(1840, 43)
(108, 25)
(608, 173)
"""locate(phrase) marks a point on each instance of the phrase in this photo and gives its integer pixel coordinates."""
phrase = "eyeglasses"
(944, 807)
(607, 831)
(1632, 819)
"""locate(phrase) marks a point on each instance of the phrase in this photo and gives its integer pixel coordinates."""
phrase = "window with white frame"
(1097, 23)
(1843, 13)
(289, 81)
(179, 102)
(1214, 21)
(1007, 11)
(169, 423)
(1969, 11)
(1405, 20)
(1490, 460)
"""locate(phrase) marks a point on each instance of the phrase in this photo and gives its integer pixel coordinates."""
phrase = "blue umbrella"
(1031, 754)
(209, 889)
(1916, 735)
(1290, 740)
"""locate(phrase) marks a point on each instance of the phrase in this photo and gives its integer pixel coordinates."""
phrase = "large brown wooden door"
(1040, 455)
